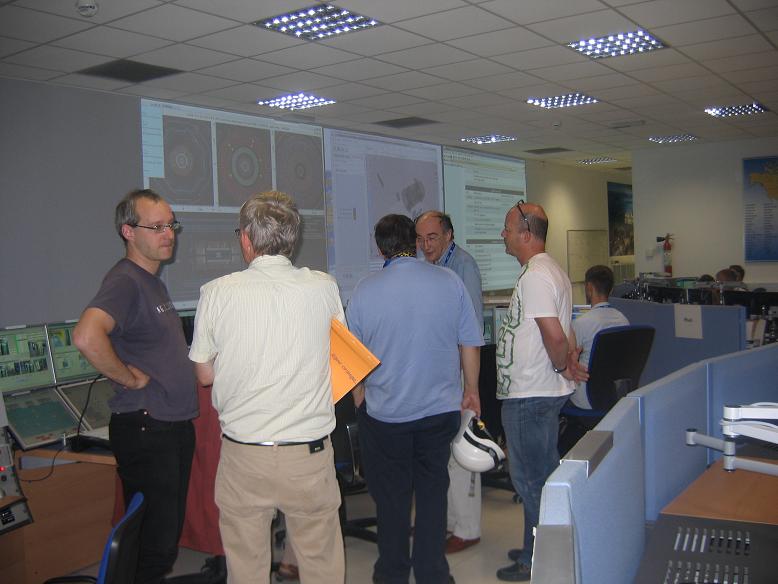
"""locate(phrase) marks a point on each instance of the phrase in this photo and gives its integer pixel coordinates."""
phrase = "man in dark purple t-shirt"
(130, 332)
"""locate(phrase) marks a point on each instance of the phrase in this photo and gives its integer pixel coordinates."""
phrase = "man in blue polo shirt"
(416, 318)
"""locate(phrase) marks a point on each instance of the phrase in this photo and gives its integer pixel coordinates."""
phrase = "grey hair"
(272, 223)
(126, 210)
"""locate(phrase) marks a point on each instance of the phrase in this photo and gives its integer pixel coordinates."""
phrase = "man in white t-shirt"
(537, 366)
(598, 283)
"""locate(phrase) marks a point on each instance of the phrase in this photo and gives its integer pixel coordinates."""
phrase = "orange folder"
(350, 360)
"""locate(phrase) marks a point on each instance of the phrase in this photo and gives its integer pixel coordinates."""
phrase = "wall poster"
(621, 228)
(760, 203)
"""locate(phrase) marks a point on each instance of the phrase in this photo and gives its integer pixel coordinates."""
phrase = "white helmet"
(472, 452)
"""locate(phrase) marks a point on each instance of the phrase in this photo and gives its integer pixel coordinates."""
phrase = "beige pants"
(253, 481)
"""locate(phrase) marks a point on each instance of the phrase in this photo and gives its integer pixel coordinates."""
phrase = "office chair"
(616, 362)
(120, 555)
(345, 444)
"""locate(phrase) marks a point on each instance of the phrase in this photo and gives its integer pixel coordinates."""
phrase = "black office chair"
(616, 362)
(120, 555)
(345, 444)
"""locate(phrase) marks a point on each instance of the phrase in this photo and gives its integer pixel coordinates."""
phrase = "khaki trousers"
(252, 482)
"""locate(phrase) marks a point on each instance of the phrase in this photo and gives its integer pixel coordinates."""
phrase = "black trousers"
(402, 461)
(155, 458)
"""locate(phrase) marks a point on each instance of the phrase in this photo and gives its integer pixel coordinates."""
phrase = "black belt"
(313, 445)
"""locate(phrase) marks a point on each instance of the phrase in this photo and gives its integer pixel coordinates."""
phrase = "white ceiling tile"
(348, 91)
(670, 72)
(455, 116)
(246, 41)
(601, 82)
(478, 100)
(739, 62)
(11, 70)
(532, 91)
(652, 59)
(723, 95)
(152, 92)
(442, 91)
(500, 42)
(243, 93)
(766, 19)
(506, 81)
(308, 56)
(113, 42)
(49, 57)
(359, 69)
(760, 74)
(210, 102)
(382, 39)
(246, 70)
(92, 82)
(646, 101)
(757, 88)
(593, 24)
(565, 73)
(528, 12)
(31, 25)
(372, 116)
(664, 12)
(625, 91)
(425, 108)
(426, 56)
(300, 81)
(453, 24)
(400, 9)
(340, 110)
(746, 5)
(245, 10)
(754, 43)
(177, 23)
(543, 57)
(685, 84)
(387, 100)
(106, 11)
(403, 81)
(183, 57)
(188, 82)
(469, 70)
(701, 31)
(10, 46)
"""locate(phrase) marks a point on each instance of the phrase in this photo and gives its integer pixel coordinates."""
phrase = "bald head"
(536, 219)
(525, 231)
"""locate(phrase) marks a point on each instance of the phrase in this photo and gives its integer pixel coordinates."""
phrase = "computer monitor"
(488, 326)
(69, 363)
(98, 412)
(187, 323)
(665, 294)
(24, 359)
(739, 298)
(699, 296)
(39, 417)
(765, 303)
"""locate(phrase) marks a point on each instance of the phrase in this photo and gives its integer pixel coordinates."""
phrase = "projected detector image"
(299, 169)
(188, 176)
(244, 164)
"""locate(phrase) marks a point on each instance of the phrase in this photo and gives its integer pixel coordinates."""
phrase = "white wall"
(573, 199)
(695, 192)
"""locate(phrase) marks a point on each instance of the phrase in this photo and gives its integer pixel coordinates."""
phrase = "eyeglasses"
(159, 229)
(429, 239)
(237, 232)
(523, 216)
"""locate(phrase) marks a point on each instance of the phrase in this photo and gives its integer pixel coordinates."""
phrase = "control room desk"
(71, 513)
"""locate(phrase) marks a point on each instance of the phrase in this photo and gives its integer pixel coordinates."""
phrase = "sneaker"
(287, 572)
(456, 544)
(516, 572)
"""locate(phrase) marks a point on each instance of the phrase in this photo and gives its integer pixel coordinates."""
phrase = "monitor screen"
(765, 303)
(98, 413)
(39, 417)
(69, 363)
(24, 359)
(739, 298)
(187, 323)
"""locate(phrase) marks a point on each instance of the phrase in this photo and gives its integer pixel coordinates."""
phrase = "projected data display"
(24, 359)
(69, 363)
(98, 412)
(479, 190)
(369, 177)
(39, 417)
(206, 163)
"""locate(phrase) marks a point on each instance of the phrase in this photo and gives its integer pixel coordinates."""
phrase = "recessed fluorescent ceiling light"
(615, 45)
(490, 139)
(673, 139)
(736, 110)
(317, 22)
(567, 100)
(600, 160)
(299, 101)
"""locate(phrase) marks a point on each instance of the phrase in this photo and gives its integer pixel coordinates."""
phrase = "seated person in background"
(726, 275)
(598, 283)
(706, 278)
(740, 273)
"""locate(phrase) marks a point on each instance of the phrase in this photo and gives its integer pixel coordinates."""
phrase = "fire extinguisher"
(667, 254)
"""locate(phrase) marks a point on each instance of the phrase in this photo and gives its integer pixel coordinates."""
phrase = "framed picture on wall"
(760, 209)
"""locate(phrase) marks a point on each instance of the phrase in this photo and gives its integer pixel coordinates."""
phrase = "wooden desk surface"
(735, 496)
(94, 457)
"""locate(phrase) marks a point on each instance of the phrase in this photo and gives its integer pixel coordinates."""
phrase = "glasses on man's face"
(175, 226)
(523, 216)
(429, 239)
(237, 232)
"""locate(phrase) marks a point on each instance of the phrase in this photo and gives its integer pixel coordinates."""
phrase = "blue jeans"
(531, 428)
(402, 460)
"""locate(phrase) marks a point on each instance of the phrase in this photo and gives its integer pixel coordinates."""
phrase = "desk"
(71, 513)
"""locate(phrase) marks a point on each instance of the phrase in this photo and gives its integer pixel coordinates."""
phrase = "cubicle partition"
(723, 331)
(608, 493)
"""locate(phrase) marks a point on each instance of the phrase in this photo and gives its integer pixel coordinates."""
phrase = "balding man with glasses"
(536, 368)
(131, 333)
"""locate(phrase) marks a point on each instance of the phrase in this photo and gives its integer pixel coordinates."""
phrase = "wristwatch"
(559, 370)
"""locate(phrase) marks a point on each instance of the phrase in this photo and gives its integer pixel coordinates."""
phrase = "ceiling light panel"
(615, 45)
(599, 160)
(299, 101)
(488, 139)
(318, 22)
(567, 100)
(736, 110)
(673, 139)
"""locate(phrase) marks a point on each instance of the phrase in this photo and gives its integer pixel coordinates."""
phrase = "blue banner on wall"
(760, 209)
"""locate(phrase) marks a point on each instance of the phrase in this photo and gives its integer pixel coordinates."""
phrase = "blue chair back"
(120, 556)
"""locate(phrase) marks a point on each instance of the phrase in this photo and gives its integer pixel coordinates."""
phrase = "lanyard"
(444, 262)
